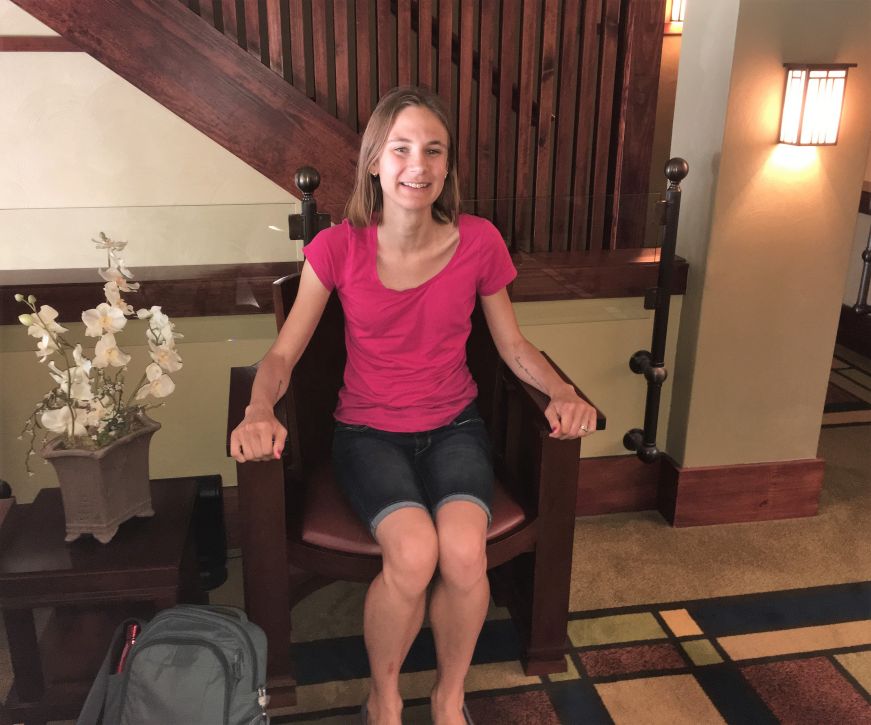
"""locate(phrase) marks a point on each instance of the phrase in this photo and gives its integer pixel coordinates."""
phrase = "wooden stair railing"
(554, 100)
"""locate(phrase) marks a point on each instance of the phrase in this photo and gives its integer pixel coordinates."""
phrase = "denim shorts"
(381, 472)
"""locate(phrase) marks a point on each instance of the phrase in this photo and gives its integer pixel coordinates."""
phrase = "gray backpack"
(189, 665)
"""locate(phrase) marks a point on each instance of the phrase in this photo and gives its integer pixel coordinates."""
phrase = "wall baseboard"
(611, 484)
(740, 493)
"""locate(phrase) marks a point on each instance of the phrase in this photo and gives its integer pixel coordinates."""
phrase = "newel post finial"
(307, 179)
(676, 170)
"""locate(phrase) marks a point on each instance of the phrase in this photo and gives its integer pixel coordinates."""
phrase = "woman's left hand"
(570, 416)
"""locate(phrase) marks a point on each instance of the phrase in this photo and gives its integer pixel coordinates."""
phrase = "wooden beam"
(37, 44)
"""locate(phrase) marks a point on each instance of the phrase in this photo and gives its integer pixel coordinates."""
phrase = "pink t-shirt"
(406, 368)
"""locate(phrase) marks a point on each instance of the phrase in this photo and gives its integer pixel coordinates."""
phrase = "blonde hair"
(366, 201)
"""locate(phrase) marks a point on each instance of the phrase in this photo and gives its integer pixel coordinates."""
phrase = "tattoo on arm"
(530, 377)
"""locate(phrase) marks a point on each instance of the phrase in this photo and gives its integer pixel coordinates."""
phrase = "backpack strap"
(93, 707)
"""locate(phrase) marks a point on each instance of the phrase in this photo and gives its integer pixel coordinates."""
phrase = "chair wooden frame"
(529, 566)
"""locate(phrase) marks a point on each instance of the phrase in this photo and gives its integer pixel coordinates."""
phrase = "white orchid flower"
(119, 263)
(166, 356)
(103, 318)
(113, 274)
(105, 243)
(45, 322)
(97, 411)
(61, 420)
(80, 360)
(46, 347)
(159, 385)
(107, 352)
(73, 382)
(113, 297)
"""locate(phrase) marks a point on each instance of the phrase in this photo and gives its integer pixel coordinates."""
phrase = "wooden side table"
(92, 587)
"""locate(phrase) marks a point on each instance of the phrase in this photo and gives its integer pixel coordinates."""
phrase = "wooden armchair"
(298, 533)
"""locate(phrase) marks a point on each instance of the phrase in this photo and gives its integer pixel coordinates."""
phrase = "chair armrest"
(539, 401)
(241, 382)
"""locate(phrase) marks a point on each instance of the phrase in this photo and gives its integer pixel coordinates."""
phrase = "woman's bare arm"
(260, 436)
(566, 412)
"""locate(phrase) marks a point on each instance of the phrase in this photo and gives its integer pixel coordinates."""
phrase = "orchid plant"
(88, 407)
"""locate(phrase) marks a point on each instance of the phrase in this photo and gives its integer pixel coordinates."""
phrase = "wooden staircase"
(553, 101)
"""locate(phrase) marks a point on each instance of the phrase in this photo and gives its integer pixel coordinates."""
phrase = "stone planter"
(103, 488)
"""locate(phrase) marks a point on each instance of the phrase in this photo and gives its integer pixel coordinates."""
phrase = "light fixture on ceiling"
(812, 102)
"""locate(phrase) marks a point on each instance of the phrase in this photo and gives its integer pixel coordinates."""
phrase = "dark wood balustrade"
(554, 100)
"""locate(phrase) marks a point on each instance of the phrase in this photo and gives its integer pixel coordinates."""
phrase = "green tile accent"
(613, 629)
(701, 652)
(570, 674)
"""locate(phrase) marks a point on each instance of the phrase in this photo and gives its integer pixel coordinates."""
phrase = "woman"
(409, 450)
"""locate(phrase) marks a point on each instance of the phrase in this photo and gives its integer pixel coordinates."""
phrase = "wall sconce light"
(674, 16)
(812, 103)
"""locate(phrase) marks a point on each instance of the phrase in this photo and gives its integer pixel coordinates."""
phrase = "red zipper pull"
(132, 633)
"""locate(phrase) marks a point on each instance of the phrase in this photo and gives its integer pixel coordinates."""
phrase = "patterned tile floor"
(848, 398)
(798, 656)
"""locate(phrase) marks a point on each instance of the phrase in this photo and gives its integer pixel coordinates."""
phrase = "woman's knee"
(409, 548)
(462, 546)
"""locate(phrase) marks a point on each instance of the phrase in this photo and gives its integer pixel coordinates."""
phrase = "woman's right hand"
(259, 437)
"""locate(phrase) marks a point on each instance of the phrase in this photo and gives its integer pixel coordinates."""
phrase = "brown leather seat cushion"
(331, 523)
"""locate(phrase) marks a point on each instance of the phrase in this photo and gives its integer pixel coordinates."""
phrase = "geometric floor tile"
(858, 664)
(701, 652)
(669, 700)
(571, 672)
(524, 708)
(614, 629)
(680, 622)
(631, 659)
(808, 691)
(794, 641)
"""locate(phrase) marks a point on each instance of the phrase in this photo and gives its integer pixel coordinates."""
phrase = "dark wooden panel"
(207, 11)
(320, 45)
(611, 484)
(741, 492)
(386, 48)
(642, 54)
(486, 139)
(364, 64)
(404, 62)
(504, 217)
(465, 98)
(252, 29)
(247, 112)
(343, 63)
(229, 20)
(445, 63)
(297, 45)
(602, 154)
(238, 289)
(424, 44)
(274, 34)
(865, 198)
(37, 44)
(854, 331)
(566, 122)
(523, 175)
(589, 275)
(546, 121)
(579, 237)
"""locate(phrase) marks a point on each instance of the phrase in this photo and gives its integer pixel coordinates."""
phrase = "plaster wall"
(774, 225)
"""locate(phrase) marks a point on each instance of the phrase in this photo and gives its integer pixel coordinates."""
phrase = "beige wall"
(590, 339)
(83, 151)
(768, 228)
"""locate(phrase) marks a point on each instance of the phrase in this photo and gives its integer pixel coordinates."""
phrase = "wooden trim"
(231, 517)
(37, 44)
(611, 484)
(854, 331)
(740, 492)
(240, 289)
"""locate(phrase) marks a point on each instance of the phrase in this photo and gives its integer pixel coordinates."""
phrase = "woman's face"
(414, 161)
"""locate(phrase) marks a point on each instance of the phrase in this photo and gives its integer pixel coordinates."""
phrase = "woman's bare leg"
(395, 605)
(459, 603)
